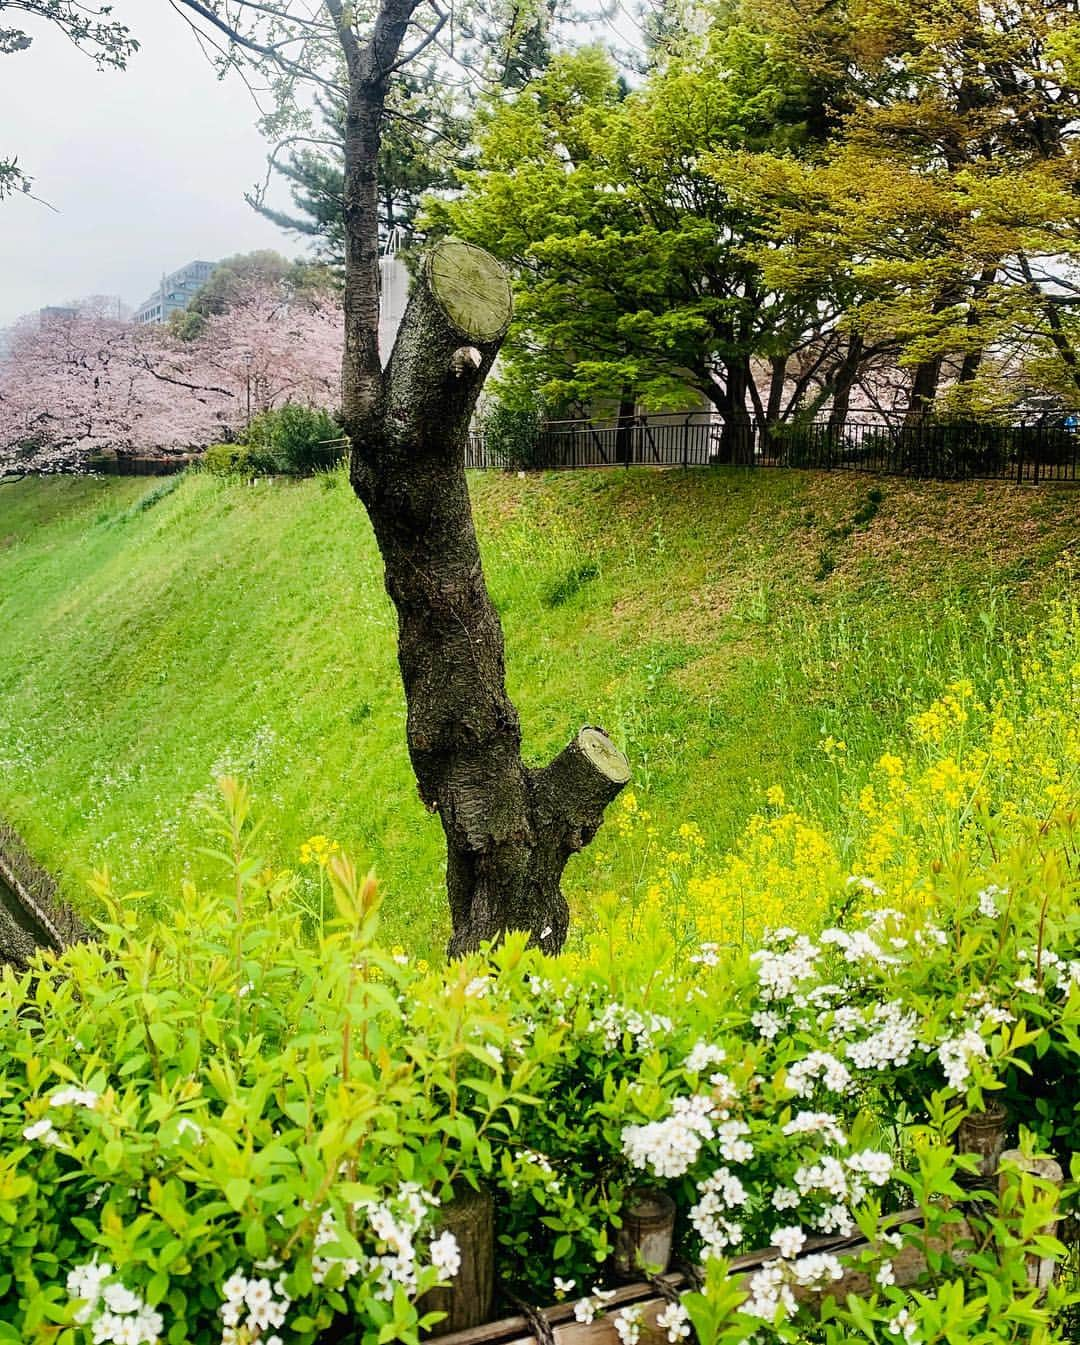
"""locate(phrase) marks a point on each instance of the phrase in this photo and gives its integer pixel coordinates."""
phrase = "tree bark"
(624, 434)
(847, 371)
(737, 435)
(924, 387)
(509, 829)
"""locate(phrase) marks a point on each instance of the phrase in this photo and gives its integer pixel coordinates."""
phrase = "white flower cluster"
(857, 947)
(903, 1324)
(617, 1021)
(956, 1054)
(816, 1123)
(46, 1132)
(780, 973)
(445, 1255)
(702, 1056)
(586, 1309)
(670, 1147)
(115, 1314)
(892, 1044)
(804, 1074)
(789, 1240)
(74, 1097)
(732, 1145)
(395, 1225)
(988, 906)
(674, 1321)
(772, 1287)
(769, 1023)
(721, 1192)
(628, 1324)
(709, 955)
(250, 1307)
(875, 1166)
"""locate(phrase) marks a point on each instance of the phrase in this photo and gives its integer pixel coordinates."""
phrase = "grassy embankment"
(721, 625)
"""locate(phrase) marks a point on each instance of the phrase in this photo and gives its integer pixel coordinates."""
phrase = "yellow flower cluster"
(975, 773)
(317, 850)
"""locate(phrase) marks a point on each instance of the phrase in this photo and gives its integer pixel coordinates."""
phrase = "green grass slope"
(719, 624)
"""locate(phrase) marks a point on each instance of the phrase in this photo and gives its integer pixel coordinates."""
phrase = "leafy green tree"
(947, 202)
(633, 265)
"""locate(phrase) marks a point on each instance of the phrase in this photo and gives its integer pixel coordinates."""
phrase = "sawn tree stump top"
(604, 755)
(472, 288)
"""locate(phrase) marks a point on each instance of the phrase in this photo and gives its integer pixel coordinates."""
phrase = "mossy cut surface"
(245, 629)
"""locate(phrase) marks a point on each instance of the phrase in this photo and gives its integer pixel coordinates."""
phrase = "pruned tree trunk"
(509, 829)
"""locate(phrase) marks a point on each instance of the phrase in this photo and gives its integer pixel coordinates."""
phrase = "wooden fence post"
(1041, 1269)
(468, 1300)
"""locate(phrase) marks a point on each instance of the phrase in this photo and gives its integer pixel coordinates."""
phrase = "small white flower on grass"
(564, 1287)
(885, 1275)
(477, 987)
(788, 1241)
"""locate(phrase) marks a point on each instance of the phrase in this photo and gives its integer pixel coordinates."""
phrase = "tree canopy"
(792, 202)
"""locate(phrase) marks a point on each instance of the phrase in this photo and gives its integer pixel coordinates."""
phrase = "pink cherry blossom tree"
(71, 387)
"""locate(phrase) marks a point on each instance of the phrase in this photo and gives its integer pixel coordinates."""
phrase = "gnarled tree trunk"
(509, 829)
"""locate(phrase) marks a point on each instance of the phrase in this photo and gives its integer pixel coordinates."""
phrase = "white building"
(174, 293)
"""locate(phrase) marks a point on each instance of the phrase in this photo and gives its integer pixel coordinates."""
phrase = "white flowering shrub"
(216, 1131)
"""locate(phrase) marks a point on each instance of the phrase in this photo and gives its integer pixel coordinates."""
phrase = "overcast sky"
(147, 167)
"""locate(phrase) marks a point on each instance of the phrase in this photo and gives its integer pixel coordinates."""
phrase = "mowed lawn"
(720, 624)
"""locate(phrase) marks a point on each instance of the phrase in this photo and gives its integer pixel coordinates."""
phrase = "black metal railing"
(948, 450)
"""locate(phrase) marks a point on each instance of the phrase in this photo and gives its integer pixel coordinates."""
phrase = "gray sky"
(147, 166)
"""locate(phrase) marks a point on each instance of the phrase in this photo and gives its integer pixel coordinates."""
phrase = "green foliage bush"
(293, 440)
(512, 435)
(228, 460)
(224, 1125)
